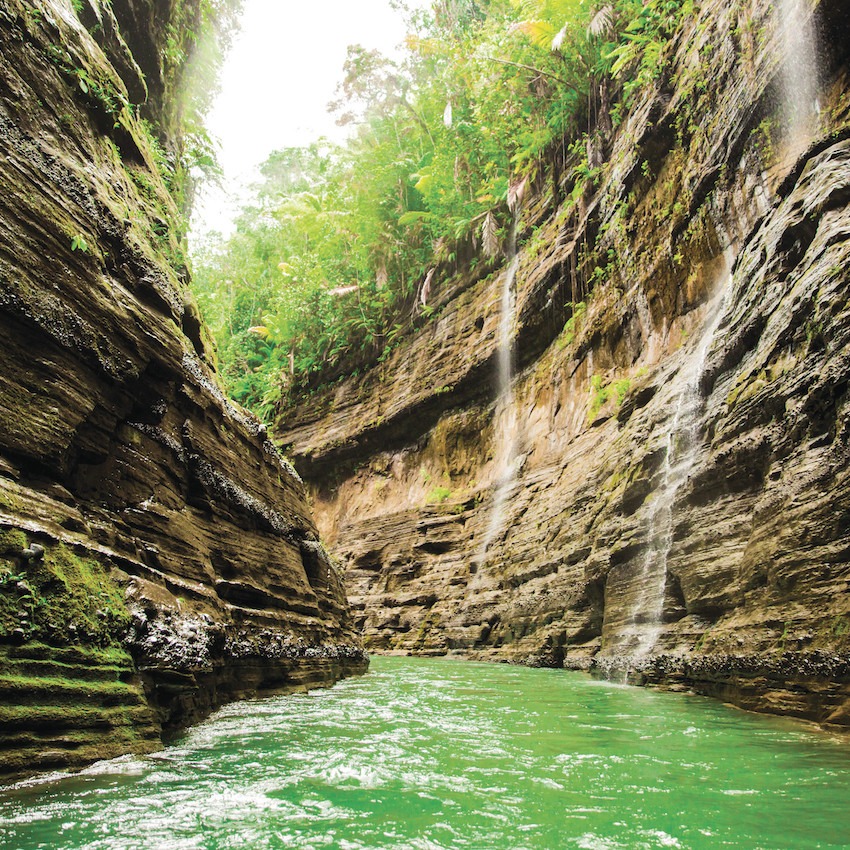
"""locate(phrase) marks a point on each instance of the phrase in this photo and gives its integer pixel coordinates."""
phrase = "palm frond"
(541, 33)
(601, 25)
(490, 235)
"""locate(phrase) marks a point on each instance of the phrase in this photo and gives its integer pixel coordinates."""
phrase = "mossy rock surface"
(56, 714)
(118, 448)
(69, 692)
(57, 596)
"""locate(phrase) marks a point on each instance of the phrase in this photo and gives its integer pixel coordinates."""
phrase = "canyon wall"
(676, 508)
(157, 554)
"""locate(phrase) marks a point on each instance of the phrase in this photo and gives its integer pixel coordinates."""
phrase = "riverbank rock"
(677, 508)
(157, 554)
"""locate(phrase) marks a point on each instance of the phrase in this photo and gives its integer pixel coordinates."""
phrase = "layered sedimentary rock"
(678, 502)
(157, 555)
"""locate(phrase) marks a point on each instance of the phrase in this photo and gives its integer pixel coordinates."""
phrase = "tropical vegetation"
(339, 253)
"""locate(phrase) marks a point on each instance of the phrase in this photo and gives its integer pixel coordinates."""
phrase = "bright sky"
(278, 78)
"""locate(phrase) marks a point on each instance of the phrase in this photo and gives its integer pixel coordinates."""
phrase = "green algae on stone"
(59, 597)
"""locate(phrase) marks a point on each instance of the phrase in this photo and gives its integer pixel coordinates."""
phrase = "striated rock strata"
(157, 556)
(680, 511)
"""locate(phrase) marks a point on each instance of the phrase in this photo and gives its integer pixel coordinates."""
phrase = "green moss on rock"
(57, 596)
(12, 542)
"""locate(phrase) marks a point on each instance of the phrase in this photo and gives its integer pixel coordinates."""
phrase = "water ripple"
(443, 755)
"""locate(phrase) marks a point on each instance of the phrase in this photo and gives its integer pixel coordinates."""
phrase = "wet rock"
(756, 542)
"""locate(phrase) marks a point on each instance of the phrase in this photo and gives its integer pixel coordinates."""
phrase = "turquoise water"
(436, 754)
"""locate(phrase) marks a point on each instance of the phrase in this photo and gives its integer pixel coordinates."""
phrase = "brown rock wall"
(694, 415)
(117, 445)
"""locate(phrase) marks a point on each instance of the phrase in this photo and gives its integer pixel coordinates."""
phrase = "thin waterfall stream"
(800, 89)
(506, 437)
(800, 68)
(634, 386)
(646, 618)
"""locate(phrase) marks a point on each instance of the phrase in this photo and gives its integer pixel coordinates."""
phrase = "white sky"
(278, 78)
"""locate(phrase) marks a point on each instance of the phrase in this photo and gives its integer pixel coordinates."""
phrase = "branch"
(536, 71)
(418, 118)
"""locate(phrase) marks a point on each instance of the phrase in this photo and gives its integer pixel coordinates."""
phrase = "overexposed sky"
(278, 78)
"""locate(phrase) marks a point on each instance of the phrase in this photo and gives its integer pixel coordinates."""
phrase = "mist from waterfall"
(800, 66)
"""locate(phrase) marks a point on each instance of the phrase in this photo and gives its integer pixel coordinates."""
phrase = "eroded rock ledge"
(704, 194)
(157, 555)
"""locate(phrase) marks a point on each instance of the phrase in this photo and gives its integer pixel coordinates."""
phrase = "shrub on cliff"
(342, 249)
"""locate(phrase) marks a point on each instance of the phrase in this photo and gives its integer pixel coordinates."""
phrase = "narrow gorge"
(661, 493)
(157, 555)
(585, 408)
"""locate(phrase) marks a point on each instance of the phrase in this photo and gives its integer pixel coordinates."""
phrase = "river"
(431, 754)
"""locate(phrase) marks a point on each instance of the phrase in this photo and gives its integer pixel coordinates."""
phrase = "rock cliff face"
(157, 556)
(679, 507)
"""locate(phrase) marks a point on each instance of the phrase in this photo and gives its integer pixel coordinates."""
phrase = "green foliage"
(103, 93)
(197, 40)
(621, 389)
(764, 140)
(342, 247)
(840, 626)
(438, 495)
(639, 54)
(572, 325)
(171, 137)
(602, 393)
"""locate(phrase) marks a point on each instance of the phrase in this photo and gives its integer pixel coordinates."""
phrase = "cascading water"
(646, 618)
(800, 89)
(800, 66)
(506, 438)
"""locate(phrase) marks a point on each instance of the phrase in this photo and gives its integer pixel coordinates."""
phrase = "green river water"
(438, 754)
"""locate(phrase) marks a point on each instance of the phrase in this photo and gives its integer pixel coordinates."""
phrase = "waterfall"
(681, 450)
(645, 620)
(800, 66)
(506, 438)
